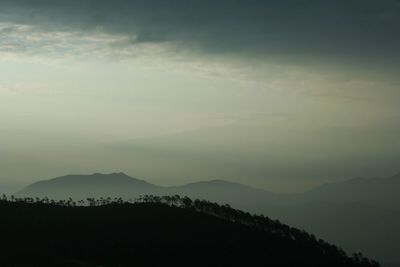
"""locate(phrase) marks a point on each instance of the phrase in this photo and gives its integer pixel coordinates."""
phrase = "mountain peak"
(122, 174)
(113, 178)
(94, 185)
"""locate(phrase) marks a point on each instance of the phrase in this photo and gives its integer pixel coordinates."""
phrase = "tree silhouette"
(299, 243)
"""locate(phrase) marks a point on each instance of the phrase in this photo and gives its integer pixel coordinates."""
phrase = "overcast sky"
(283, 95)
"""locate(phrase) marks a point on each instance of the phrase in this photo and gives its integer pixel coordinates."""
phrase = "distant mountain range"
(379, 192)
(359, 214)
(121, 185)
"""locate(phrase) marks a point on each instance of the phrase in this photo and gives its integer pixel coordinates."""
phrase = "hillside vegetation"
(154, 231)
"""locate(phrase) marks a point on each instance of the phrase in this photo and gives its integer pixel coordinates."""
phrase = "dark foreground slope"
(166, 232)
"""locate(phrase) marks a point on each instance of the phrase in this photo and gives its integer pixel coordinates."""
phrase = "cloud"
(355, 31)
(31, 40)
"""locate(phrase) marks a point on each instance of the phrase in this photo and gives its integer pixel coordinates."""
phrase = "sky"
(281, 95)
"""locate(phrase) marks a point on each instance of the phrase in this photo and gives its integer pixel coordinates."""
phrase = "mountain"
(350, 213)
(380, 192)
(237, 195)
(156, 233)
(83, 186)
(121, 185)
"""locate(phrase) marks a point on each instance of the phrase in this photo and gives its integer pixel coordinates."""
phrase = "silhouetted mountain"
(169, 231)
(121, 185)
(84, 186)
(350, 213)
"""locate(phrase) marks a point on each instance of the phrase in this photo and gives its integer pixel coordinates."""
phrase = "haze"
(282, 95)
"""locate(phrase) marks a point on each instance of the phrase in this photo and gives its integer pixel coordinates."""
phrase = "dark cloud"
(351, 30)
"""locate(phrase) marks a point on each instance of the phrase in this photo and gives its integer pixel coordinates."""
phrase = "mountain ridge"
(82, 186)
(192, 233)
(378, 191)
(120, 177)
(360, 218)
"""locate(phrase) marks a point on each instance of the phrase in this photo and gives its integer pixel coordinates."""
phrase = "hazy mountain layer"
(380, 192)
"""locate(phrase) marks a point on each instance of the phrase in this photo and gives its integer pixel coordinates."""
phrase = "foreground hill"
(168, 231)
